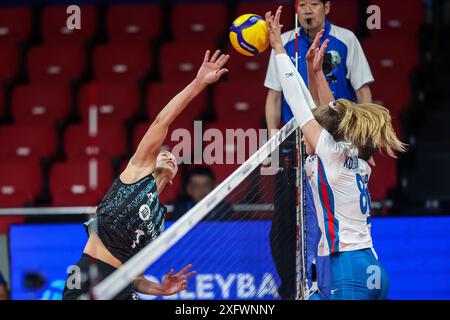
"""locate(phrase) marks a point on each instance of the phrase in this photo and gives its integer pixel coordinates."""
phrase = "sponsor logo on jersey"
(139, 233)
(151, 196)
(144, 212)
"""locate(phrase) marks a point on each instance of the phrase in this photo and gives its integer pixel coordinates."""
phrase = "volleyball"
(249, 34)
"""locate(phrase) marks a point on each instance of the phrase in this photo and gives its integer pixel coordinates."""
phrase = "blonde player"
(340, 138)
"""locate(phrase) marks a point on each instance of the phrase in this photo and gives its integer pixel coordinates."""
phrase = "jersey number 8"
(364, 198)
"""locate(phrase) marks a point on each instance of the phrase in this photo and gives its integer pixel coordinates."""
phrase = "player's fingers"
(267, 16)
(170, 273)
(182, 271)
(221, 72)
(268, 21)
(215, 56)
(223, 59)
(190, 274)
(316, 42)
(206, 59)
(278, 14)
(323, 49)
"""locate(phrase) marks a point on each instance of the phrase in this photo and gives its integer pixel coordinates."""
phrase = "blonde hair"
(368, 126)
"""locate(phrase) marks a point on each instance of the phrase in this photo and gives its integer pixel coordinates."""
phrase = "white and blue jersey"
(339, 180)
(345, 65)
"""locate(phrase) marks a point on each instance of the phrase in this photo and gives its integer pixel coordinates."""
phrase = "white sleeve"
(272, 81)
(359, 72)
(328, 150)
(294, 90)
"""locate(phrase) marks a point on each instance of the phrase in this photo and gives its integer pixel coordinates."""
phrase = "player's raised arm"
(310, 57)
(210, 71)
(294, 88)
(323, 89)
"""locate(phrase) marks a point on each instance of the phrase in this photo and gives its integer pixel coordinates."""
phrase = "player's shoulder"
(288, 36)
(343, 34)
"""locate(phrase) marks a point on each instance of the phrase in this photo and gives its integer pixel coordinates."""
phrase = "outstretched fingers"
(221, 72)
(206, 59)
(184, 270)
(323, 48)
(215, 56)
(222, 60)
(277, 16)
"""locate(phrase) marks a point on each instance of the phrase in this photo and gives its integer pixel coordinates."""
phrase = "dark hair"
(199, 171)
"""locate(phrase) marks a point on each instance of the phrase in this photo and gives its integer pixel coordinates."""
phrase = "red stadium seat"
(199, 21)
(402, 56)
(56, 62)
(383, 177)
(27, 142)
(19, 184)
(398, 23)
(243, 68)
(344, 13)
(115, 101)
(180, 61)
(40, 103)
(391, 90)
(235, 150)
(10, 62)
(110, 141)
(82, 182)
(159, 95)
(2, 102)
(134, 22)
(6, 221)
(122, 61)
(239, 100)
(15, 25)
(261, 7)
(54, 25)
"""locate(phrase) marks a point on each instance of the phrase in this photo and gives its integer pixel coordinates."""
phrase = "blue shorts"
(358, 275)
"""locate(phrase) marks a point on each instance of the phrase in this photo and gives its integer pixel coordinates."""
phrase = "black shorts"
(76, 290)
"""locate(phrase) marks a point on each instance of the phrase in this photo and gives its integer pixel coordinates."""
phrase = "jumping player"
(130, 215)
(340, 138)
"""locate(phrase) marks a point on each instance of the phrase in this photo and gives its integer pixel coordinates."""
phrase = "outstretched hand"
(274, 27)
(318, 57)
(173, 283)
(312, 50)
(212, 69)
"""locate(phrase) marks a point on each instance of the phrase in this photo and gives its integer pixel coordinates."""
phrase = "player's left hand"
(212, 69)
(318, 56)
(274, 27)
(310, 55)
(173, 283)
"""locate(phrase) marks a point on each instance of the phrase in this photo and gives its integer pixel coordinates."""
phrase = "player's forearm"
(178, 103)
(298, 98)
(145, 286)
(324, 91)
(273, 111)
(294, 90)
(3, 293)
(364, 94)
(312, 86)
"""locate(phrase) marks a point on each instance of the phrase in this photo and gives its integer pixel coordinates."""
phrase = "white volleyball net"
(244, 239)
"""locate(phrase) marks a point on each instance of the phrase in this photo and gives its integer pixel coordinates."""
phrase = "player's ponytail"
(368, 126)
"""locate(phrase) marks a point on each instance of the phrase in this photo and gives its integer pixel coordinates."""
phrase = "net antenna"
(302, 281)
(134, 267)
